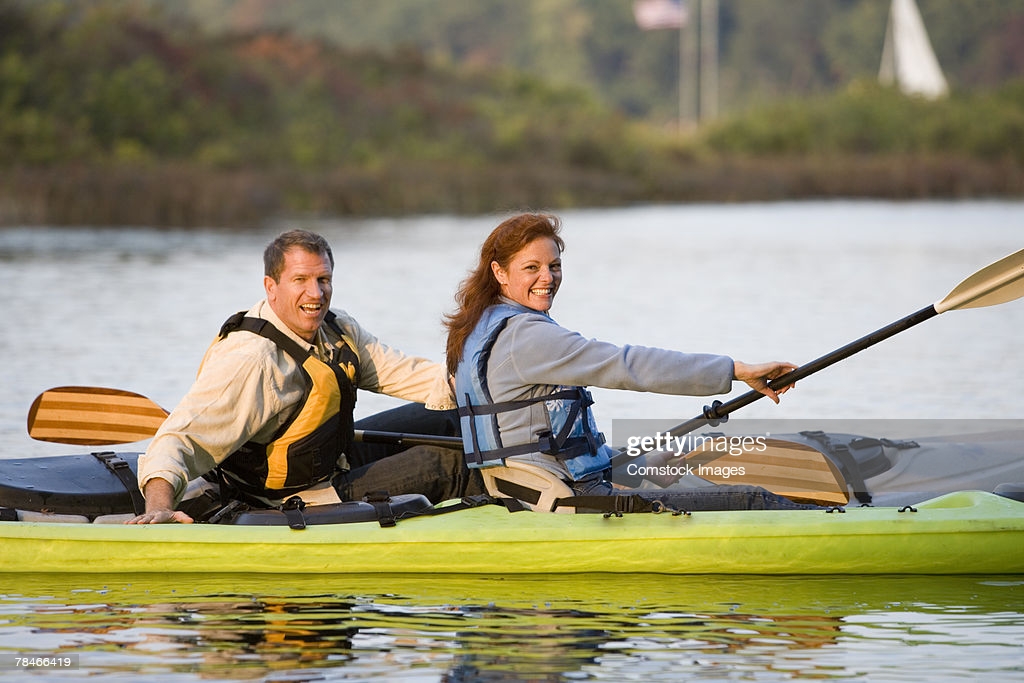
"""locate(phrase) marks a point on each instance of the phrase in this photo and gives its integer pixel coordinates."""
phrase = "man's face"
(303, 295)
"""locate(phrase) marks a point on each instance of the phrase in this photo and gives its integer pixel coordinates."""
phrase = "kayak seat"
(533, 486)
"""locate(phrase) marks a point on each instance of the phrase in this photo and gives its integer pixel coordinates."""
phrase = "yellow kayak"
(967, 532)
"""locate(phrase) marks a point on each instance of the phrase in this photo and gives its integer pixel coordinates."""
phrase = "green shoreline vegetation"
(114, 116)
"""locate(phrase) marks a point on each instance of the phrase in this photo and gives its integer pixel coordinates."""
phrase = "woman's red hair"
(480, 289)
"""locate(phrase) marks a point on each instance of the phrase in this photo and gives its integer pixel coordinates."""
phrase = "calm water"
(135, 309)
(591, 627)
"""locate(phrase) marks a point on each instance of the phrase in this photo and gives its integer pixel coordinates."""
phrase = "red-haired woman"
(521, 377)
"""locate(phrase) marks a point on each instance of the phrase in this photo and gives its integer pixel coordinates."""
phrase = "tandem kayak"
(967, 532)
(53, 509)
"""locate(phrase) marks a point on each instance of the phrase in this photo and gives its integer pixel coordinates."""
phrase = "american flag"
(655, 14)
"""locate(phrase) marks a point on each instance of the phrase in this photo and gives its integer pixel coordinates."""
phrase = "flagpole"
(689, 68)
(660, 14)
(680, 122)
(708, 60)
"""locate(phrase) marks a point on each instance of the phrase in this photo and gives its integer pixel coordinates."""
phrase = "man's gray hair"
(273, 256)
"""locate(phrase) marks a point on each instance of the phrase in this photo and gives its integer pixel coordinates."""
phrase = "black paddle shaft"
(400, 439)
(718, 411)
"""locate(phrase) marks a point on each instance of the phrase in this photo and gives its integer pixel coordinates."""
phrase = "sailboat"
(908, 60)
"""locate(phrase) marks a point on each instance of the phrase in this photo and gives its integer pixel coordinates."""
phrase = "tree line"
(114, 112)
(768, 49)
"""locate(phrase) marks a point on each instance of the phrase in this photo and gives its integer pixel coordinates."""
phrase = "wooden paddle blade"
(93, 416)
(994, 284)
(792, 470)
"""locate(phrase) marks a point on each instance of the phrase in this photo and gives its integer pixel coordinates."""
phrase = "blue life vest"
(573, 437)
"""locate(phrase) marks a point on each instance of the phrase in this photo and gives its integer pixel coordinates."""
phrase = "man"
(271, 408)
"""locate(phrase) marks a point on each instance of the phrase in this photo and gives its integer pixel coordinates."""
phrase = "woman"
(521, 378)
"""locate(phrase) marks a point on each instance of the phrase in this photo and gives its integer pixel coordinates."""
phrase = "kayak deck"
(967, 532)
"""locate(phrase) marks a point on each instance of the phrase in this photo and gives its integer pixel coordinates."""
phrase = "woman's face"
(533, 274)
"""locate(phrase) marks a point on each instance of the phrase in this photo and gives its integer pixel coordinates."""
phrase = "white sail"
(908, 60)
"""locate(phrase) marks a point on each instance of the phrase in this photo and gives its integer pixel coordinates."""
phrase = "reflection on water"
(593, 627)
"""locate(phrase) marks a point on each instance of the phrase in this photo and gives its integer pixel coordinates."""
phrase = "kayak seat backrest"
(533, 486)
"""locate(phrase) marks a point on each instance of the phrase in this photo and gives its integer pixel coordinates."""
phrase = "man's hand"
(160, 505)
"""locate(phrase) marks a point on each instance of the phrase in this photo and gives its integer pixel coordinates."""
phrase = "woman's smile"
(533, 275)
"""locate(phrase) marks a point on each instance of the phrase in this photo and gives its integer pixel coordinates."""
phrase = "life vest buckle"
(547, 444)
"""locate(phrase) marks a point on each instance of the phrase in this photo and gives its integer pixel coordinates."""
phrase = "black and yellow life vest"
(306, 448)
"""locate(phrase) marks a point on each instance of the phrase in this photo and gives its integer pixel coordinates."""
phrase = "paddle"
(93, 416)
(403, 439)
(96, 416)
(994, 284)
(786, 468)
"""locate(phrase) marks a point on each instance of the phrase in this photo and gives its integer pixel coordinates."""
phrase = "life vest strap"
(292, 509)
(470, 410)
(381, 502)
(561, 446)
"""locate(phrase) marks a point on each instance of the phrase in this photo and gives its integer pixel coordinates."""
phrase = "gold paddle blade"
(792, 470)
(93, 416)
(994, 284)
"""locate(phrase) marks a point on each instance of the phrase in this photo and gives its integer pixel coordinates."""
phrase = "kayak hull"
(967, 532)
